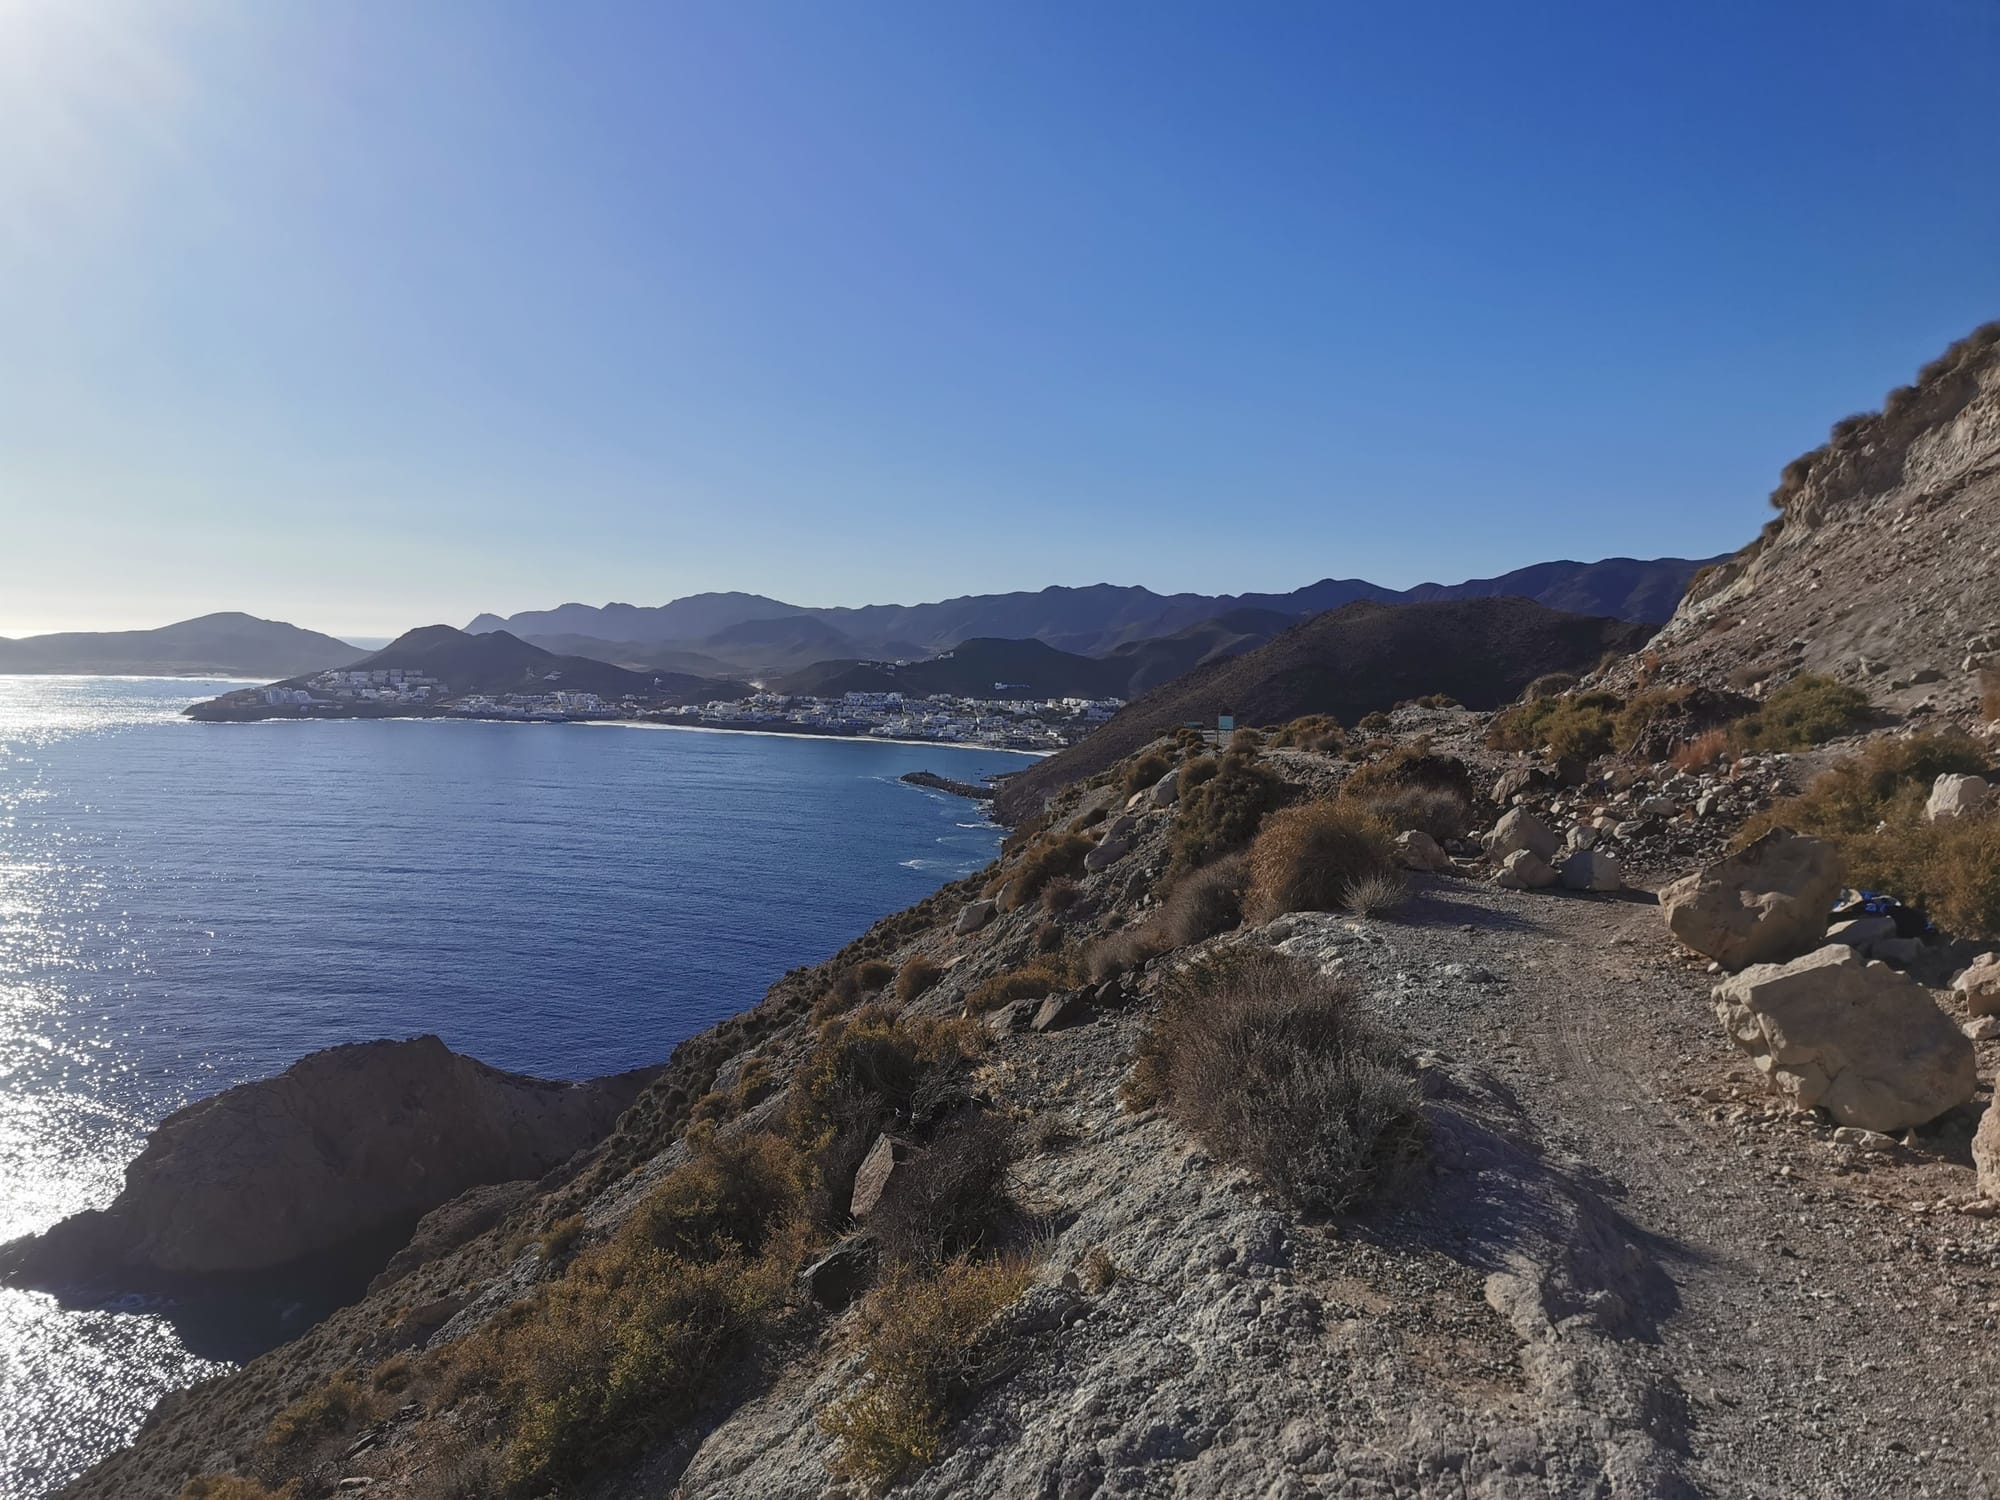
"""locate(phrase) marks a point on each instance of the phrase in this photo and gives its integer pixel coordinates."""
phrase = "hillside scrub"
(1145, 771)
(1197, 770)
(1273, 1066)
(1441, 814)
(929, 1348)
(916, 976)
(1809, 710)
(1031, 983)
(1871, 808)
(1412, 787)
(1222, 814)
(1313, 857)
(1319, 732)
(1580, 724)
(949, 1199)
(1058, 856)
(1201, 904)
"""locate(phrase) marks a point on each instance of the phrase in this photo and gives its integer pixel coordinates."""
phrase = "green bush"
(1806, 711)
(1273, 1066)
(1222, 813)
(1570, 724)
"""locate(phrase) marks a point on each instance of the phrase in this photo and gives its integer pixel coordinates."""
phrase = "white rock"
(973, 916)
(1768, 901)
(1521, 829)
(1979, 984)
(1525, 870)
(1419, 851)
(1954, 797)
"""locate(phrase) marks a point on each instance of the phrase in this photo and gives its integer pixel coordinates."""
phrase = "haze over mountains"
(229, 644)
(749, 633)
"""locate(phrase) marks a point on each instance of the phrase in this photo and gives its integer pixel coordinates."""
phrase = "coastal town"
(1004, 721)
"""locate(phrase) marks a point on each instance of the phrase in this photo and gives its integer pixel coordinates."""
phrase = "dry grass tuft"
(1273, 1066)
(1309, 857)
(916, 976)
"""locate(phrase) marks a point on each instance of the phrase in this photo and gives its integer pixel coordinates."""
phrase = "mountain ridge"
(227, 643)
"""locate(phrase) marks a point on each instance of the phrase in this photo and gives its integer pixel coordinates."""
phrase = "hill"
(754, 634)
(1347, 662)
(229, 644)
(1880, 567)
(977, 669)
(1153, 662)
(500, 662)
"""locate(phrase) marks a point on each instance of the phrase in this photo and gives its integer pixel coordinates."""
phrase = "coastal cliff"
(345, 1145)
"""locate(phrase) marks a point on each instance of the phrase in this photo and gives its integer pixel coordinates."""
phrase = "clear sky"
(369, 313)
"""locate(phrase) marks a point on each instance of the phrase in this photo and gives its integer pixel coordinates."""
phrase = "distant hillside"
(763, 636)
(1352, 660)
(500, 662)
(1152, 663)
(218, 645)
(977, 669)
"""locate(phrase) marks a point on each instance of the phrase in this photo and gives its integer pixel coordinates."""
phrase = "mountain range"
(229, 644)
(724, 633)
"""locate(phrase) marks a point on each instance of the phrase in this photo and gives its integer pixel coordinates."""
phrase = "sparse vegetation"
(326, 1408)
(1807, 711)
(1031, 983)
(1311, 857)
(1412, 787)
(1377, 893)
(873, 976)
(1058, 856)
(1273, 1066)
(948, 1200)
(1871, 807)
(1702, 752)
(1553, 684)
(561, 1237)
(1373, 722)
(1100, 1272)
(1319, 732)
(1196, 771)
(1246, 742)
(235, 1487)
(929, 1347)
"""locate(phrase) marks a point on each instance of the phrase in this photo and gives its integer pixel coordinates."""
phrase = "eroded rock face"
(344, 1144)
(1767, 902)
(1860, 1040)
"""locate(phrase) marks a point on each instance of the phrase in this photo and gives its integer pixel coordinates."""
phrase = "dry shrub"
(1412, 765)
(1700, 753)
(235, 1487)
(1047, 860)
(1204, 902)
(1309, 857)
(1433, 810)
(1100, 1272)
(561, 1237)
(1317, 732)
(1550, 685)
(929, 1345)
(1245, 742)
(917, 975)
(1807, 711)
(1144, 772)
(1889, 781)
(874, 975)
(1273, 1066)
(1031, 983)
(1048, 937)
(1195, 771)
(1060, 894)
(1372, 723)
(1123, 951)
(1222, 813)
(949, 1198)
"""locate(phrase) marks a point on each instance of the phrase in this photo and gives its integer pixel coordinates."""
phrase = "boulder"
(1521, 829)
(1862, 932)
(842, 1274)
(974, 915)
(1166, 791)
(1767, 902)
(1858, 1039)
(1978, 984)
(1955, 797)
(1107, 853)
(1592, 870)
(1986, 1150)
(1059, 1010)
(1419, 851)
(343, 1148)
(1582, 836)
(1525, 870)
(871, 1179)
(1521, 782)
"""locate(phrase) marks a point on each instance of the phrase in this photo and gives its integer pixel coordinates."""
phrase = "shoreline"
(805, 734)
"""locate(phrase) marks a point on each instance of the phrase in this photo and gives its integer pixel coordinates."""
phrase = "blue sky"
(367, 314)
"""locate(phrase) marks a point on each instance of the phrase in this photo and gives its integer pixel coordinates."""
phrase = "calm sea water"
(183, 907)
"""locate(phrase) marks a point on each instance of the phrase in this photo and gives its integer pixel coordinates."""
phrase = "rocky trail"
(1811, 1334)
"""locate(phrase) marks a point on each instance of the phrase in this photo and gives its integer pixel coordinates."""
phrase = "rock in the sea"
(1592, 870)
(346, 1144)
(1954, 797)
(974, 915)
(1521, 829)
(1860, 1040)
(1767, 902)
(1419, 851)
(1979, 985)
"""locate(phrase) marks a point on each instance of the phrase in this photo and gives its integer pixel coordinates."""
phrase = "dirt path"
(1826, 1340)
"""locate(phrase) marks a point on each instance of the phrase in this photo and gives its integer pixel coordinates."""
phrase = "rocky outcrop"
(1417, 850)
(1979, 985)
(1768, 902)
(344, 1145)
(1955, 797)
(1858, 1039)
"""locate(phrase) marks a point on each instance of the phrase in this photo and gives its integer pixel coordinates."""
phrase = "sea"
(187, 906)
